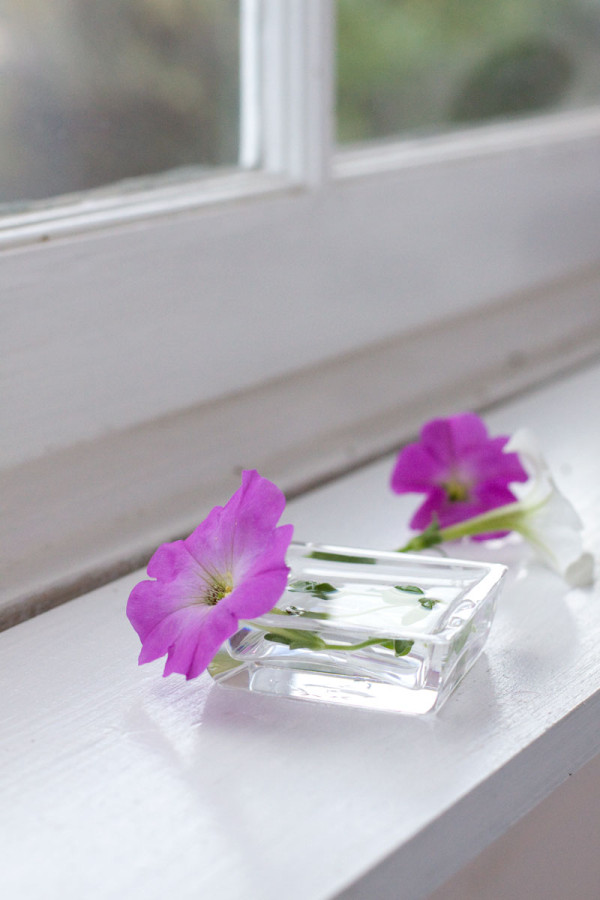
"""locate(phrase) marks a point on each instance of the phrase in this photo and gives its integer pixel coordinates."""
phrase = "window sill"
(84, 514)
(122, 784)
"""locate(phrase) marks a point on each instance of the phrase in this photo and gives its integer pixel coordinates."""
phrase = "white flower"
(547, 520)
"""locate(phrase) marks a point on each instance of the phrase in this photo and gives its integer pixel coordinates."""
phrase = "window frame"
(316, 276)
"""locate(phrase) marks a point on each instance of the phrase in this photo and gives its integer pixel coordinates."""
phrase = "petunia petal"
(239, 530)
(169, 629)
(168, 561)
(272, 555)
(258, 594)
(151, 601)
(489, 496)
(416, 470)
(231, 566)
(552, 525)
(449, 439)
(423, 516)
(148, 604)
(489, 462)
(195, 648)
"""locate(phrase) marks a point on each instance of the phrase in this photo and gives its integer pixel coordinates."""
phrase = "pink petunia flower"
(462, 471)
(543, 516)
(231, 567)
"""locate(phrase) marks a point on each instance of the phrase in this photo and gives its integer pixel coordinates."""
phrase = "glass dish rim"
(492, 576)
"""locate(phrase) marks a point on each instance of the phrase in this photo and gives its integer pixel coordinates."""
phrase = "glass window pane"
(94, 91)
(422, 66)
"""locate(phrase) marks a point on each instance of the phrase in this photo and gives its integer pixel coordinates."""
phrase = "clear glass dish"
(366, 628)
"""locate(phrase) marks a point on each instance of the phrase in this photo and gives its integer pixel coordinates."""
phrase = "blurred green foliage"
(420, 66)
(97, 91)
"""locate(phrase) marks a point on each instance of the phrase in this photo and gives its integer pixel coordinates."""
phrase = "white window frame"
(333, 299)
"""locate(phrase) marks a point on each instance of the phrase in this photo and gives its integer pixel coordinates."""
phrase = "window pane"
(94, 91)
(421, 66)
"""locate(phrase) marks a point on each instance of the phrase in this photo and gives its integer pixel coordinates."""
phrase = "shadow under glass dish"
(364, 628)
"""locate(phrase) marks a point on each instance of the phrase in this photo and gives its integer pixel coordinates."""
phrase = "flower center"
(219, 588)
(456, 491)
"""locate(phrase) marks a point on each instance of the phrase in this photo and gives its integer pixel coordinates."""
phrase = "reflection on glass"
(424, 66)
(94, 91)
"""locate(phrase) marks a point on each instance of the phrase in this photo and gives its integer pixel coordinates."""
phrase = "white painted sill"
(117, 783)
(83, 515)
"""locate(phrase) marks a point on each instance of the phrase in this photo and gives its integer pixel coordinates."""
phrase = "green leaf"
(222, 663)
(428, 602)
(296, 640)
(400, 648)
(325, 588)
(308, 640)
(409, 588)
(341, 557)
(317, 589)
(278, 639)
(303, 586)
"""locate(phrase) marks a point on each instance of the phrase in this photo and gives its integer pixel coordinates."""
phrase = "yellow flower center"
(456, 491)
(219, 588)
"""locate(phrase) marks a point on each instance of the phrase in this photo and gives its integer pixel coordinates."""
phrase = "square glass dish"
(366, 628)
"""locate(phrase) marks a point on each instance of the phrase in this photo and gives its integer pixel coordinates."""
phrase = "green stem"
(288, 634)
(368, 643)
(504, 518)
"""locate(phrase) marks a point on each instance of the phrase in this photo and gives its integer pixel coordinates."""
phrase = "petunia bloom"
(548, 520)
(462, 471)
(231, 567)
(543, 516)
